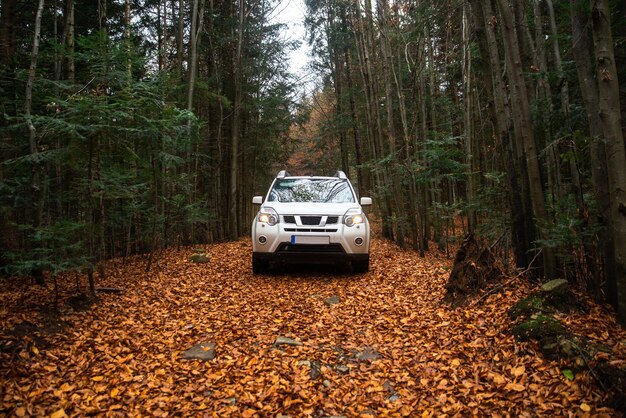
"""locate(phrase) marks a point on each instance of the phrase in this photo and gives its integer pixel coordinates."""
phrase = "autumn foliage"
(384, 345)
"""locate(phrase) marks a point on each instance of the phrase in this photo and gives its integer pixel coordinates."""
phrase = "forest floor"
(376, 344)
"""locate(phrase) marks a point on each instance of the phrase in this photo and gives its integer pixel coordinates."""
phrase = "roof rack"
(282, 174)
(340, 174)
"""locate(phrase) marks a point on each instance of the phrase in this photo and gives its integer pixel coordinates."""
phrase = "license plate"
(306, 239)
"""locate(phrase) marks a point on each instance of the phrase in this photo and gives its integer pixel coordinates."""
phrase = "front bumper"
(310, 254)
(329, 244)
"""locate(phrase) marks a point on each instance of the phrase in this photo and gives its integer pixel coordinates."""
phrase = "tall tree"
(582, 51)
(609, 110)
(236, 119)
(35, 185)
(522, 125)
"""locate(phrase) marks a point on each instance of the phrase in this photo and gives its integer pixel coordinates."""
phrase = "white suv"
(310, 220)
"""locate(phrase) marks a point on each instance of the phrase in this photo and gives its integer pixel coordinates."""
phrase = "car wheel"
(260, 266)
(361, 266)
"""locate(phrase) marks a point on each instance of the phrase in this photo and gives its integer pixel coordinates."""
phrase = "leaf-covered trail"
(386, 349)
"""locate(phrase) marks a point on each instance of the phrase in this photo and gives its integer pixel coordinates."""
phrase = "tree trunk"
(338, 78)
(70, 42)
(372, 119)
(523, 127)
(469, 120)
(67, 39)
(486, 24)
(102, 14)
(161, 25)
(179, 38)
(363, 182)
(237, 75)
(543, 98)
(127, 40)
(394, 147)
(383, 182)
(420, 152)
(194, 41)
(405, 152)
(100, 215)
(155, 211)
(193, 54)
(35, 184)
(582, 51)
(359, 150)
(609, 109)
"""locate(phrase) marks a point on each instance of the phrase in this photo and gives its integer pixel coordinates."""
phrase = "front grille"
(286, 247)
(310, 230)
(310, 220)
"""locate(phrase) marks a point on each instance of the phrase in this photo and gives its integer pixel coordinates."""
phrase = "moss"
(541, 327)
(528, 306)
(563, 300)
(554, 296)
(199, 258)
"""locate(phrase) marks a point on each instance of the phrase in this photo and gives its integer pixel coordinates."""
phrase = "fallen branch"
(583, 355)
(500, 286)
(497, 241)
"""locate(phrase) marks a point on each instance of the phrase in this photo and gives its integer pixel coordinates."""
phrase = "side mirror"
(366, 201)
(257, 200)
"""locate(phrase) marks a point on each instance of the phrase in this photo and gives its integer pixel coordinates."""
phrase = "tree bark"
(609, 110)
(363, 182)
(161, 25)
(582, 51)
(70, 42)
(35, 186)
(127, 40)
(67, 40)
(406, 152)
(102, 14)
(193, 54)
(179, 38)
(394, 147)
(469, 120)
(372, 118)
(234, 156)
(523, 127)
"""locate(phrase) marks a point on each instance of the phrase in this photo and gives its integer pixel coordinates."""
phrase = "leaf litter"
(387, 348)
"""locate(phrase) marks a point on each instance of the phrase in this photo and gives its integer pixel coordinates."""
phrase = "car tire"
(361, 266)
(260, 266)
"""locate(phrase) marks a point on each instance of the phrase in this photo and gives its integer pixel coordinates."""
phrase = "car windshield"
(311, 190)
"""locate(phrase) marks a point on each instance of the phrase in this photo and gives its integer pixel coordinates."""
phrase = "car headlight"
(353, 217)
(268, 216)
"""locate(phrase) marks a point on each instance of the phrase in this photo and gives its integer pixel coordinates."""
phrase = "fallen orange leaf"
(515, 386)
(518, 371)
(59, 414)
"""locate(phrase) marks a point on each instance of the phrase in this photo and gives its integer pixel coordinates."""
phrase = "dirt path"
(387, 348)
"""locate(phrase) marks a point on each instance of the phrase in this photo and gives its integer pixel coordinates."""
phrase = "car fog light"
(358, 241)
(262, 239)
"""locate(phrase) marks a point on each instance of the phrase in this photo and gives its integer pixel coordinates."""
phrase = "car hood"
(311, 208)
